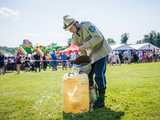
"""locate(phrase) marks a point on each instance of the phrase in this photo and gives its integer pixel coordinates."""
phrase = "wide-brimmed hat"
(68, 22)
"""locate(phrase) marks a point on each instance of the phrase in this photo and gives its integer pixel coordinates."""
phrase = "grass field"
(133, 93)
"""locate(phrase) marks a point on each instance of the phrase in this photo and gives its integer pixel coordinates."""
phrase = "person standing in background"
(2, 64)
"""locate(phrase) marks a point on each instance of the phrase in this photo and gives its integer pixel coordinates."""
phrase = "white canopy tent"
(121, 47)
(144, 46)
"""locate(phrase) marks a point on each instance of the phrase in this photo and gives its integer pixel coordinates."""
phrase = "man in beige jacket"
(90, 39)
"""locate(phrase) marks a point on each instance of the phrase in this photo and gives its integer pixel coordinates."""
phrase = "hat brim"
(69, 26)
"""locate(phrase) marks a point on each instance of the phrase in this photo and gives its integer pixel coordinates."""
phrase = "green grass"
(133, 93)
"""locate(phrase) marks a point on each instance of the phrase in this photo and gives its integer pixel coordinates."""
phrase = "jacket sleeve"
(76, 42)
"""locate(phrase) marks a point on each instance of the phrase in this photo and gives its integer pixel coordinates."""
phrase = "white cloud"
(7, 12)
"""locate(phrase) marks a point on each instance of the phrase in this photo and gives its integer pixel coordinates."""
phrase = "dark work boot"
(100, 99)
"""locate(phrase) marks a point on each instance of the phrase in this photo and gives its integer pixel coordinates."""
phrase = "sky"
(41, 21)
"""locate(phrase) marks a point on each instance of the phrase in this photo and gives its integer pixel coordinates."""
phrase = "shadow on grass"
(99, 114)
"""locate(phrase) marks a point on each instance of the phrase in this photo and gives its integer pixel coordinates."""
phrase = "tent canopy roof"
(72, 47)
(144, 46)
(121, 47)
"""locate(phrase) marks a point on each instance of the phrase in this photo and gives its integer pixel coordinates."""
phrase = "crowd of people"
(36, 61)
(133, 56)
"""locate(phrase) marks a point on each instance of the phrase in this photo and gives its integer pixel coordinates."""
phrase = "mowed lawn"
(133, 93)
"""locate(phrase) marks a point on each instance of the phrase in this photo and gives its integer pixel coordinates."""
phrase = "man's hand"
(82, 48)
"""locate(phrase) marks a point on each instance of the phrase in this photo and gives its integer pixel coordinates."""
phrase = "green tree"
(111, 41)
(158, 40)
(55, 46)
(139, 42)
(153, 38)
(150, 38)
(124, 38)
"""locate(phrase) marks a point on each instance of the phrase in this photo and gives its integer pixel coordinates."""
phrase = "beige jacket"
(92, 40)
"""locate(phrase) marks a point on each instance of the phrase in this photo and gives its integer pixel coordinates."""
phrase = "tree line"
(153, 37)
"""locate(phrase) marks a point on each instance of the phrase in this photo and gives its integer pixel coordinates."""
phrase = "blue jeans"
(99, 70)
(54, 64)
